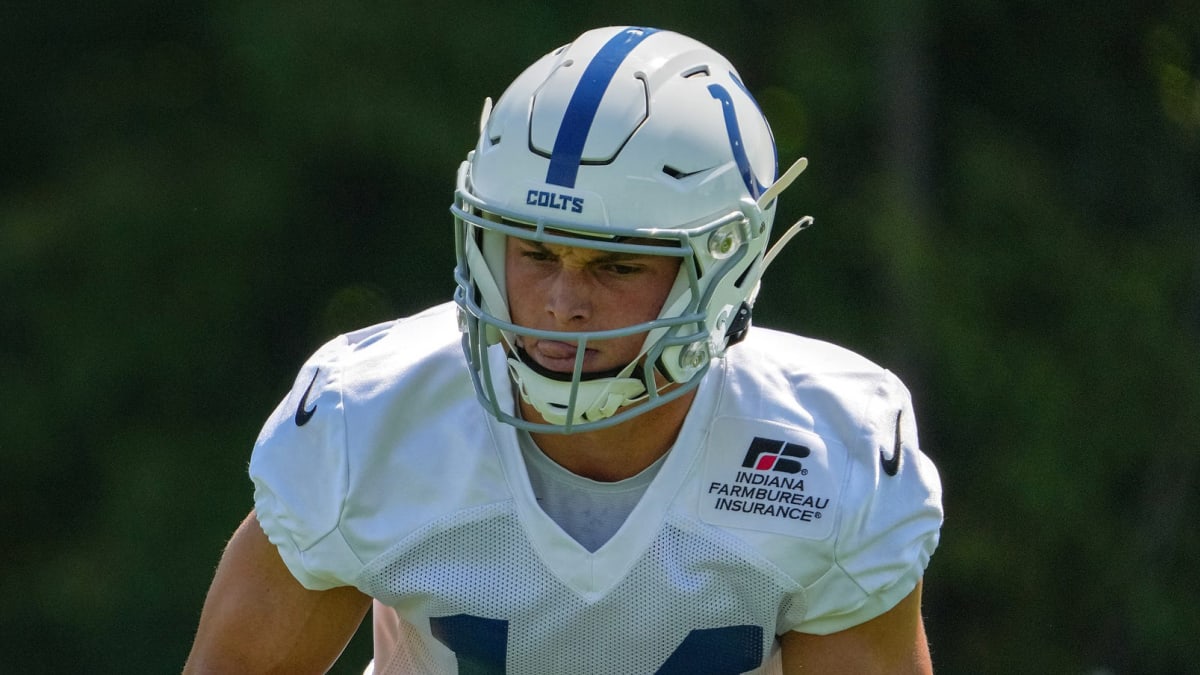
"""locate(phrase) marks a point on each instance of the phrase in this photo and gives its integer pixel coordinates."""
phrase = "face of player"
(566, 288)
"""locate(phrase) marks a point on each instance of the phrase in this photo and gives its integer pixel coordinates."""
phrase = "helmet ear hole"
(746, 272)
(739, 326)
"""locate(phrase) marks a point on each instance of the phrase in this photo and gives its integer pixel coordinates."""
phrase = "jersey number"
(481, 646)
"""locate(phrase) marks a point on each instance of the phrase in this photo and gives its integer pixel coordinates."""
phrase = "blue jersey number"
(481, 645)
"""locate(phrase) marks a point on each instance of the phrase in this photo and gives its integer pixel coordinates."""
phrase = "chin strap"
(740, 324)
(485, 115)
(782, 184)
(769, 196)
(594, 399)
(784, 238)
(763, 202)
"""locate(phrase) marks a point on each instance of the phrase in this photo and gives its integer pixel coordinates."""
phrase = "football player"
(589, 461)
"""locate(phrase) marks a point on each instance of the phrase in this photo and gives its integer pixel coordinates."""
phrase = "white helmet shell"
(626, 134)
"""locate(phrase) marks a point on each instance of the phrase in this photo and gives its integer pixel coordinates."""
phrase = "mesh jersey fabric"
(772, 512)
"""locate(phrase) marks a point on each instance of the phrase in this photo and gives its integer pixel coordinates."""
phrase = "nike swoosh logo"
(891, 465)
(303, 415)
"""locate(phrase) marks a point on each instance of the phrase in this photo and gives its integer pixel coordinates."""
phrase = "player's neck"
(620, 451)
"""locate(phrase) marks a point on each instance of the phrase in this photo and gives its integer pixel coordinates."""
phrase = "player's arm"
(892, 643)
(258, 619)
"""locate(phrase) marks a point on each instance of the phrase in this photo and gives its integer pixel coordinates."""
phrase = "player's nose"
(569, 296)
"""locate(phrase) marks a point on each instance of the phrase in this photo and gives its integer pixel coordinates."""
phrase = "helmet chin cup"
(580, 401)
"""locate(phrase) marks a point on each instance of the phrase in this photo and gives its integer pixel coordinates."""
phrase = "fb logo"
(768, 454)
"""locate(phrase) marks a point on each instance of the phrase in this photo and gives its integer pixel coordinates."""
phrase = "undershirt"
(589, 511)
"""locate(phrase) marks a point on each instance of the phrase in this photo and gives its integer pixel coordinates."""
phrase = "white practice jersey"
(795, 499)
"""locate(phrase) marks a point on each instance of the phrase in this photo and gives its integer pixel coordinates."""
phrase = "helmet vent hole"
(673, 172)
(746, 272)
(678, 174)
(698, 71)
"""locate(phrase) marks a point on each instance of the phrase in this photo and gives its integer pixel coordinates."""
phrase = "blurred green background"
(194, 196)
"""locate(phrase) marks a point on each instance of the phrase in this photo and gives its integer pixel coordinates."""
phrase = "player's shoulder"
(829, 399)
(780, 369)
(793, 353)
(363, 404)
(411, 338)
(389, 351)
(400, 369)
(814, 453)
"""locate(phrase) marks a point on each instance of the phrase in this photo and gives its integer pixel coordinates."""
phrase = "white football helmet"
(624, 135)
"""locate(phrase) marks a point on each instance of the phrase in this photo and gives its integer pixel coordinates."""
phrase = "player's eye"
(622, 269)
(538, 255)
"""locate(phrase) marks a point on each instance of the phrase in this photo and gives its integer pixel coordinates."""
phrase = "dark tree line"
(194, 197)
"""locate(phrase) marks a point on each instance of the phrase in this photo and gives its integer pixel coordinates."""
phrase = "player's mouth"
(560, 356)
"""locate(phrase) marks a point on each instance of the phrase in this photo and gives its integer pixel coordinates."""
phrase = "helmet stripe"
(735, 140)
(585, 101)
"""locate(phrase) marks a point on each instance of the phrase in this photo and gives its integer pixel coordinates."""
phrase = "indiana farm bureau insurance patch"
(771, 478)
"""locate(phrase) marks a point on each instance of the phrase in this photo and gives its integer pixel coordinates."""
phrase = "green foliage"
(194, 197)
